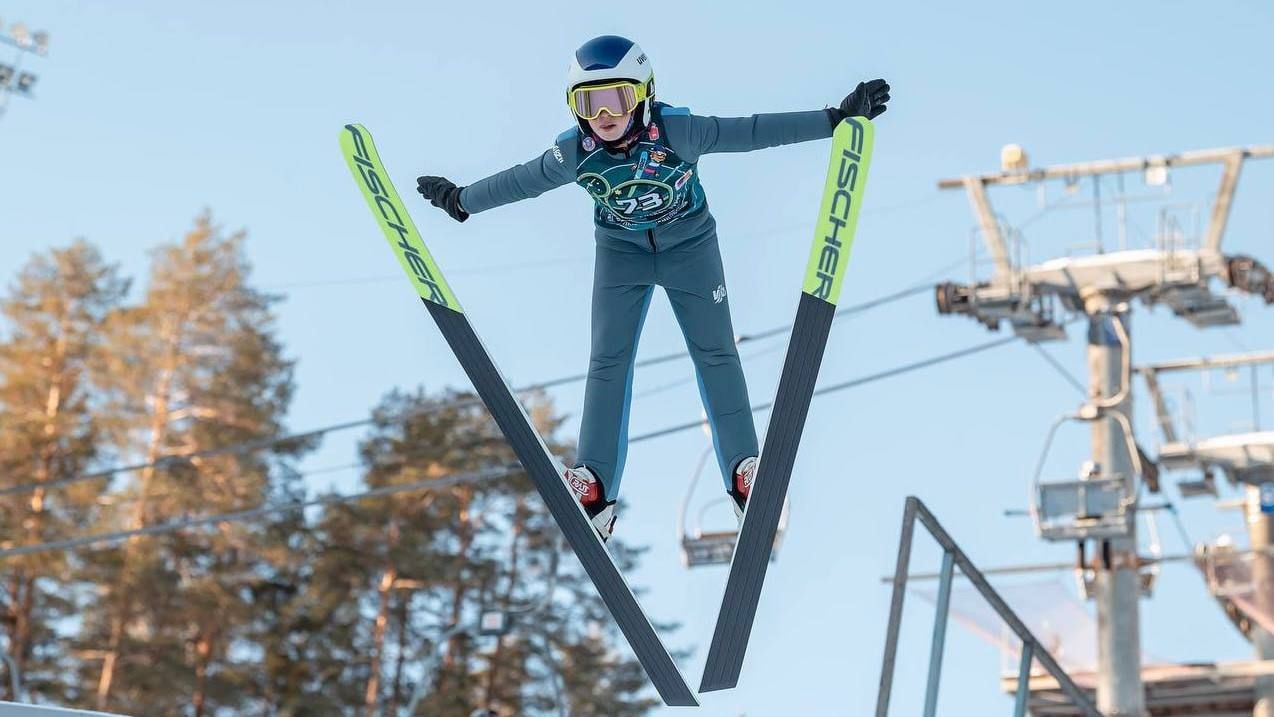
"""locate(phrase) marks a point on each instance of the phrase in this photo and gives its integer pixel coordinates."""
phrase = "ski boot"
(588, 490)
(744, 474)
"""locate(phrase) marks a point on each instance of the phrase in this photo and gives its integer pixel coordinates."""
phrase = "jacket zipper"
(650, 234)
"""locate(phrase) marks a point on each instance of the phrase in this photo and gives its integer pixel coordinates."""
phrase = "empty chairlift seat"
(713, 547)
(1088, 508)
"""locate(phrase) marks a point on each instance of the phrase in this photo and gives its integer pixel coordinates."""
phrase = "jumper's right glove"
(444, 194)
(867, 100)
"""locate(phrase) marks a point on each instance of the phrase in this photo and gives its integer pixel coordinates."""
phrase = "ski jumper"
(653, 228)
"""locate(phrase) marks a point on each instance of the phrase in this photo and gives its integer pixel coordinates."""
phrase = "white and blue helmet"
(607, 59)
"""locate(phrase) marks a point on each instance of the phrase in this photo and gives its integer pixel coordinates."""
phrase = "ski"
(833, 237)
(546, 472)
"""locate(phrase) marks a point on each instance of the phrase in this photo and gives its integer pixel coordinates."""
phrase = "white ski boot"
(588, 490)
(744, 475)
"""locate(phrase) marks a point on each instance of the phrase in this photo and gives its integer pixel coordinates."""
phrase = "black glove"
(444, 194)
(867, 100)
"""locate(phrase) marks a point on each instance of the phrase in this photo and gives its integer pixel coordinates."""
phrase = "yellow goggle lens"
(616, 99)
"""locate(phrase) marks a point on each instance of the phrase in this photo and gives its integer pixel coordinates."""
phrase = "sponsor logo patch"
(557, 154)
(585, 489)
(718, 294)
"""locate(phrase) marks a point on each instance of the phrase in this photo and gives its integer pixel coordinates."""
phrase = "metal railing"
(952, 557)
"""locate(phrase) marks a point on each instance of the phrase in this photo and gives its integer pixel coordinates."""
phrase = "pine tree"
(194, 367)
(431, 541)
(348, 611)
(457, 550)
(308, 619)
(54, 314)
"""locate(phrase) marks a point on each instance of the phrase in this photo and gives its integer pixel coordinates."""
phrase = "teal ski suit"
(653, 228)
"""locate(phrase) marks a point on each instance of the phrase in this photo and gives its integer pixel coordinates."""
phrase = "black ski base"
(579, 533)
(765, 504)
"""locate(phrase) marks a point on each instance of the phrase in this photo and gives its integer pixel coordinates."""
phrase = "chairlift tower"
(1243, 583)
(1102, 286)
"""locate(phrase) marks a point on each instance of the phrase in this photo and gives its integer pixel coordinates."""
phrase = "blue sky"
(149, 112)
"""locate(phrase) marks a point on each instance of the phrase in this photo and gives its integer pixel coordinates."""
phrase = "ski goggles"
(615, 99)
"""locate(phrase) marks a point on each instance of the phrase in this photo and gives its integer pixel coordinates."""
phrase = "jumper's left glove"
(867, 100)
(444, 194)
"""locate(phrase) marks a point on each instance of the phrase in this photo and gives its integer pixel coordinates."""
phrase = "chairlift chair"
(1096, 505)
(714, 547)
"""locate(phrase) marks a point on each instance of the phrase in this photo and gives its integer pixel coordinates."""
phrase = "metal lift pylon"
(1101, 287)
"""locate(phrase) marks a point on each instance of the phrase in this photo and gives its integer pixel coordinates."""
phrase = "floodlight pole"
(5, 91)
(1117, 587)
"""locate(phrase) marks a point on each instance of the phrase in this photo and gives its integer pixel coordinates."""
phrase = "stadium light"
(25, 81)
(21, 36)
(14, 79)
